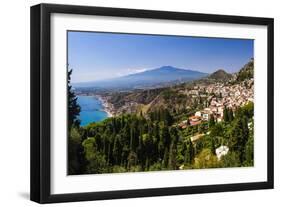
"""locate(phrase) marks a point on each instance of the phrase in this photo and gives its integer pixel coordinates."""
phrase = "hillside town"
(219, 96)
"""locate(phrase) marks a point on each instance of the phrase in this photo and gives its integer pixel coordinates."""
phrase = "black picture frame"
(41, 96)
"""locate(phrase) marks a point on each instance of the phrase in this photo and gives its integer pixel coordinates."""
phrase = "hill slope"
(247, 72)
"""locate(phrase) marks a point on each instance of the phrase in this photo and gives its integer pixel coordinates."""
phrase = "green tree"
(212, 121)
(167, 117)
(230, 115)
(189, 152)
(132, 160)
(213, 146)
(248, 110)
(165, 158)
(96, 160)
(172, 165)
(206, 159)
(217, 130)
(117, 150)
(75, 152)
(225, 114)
(230, 160)
(239, 136)
(249, 148)
(148, 148)
(165, 136)
(73, 107)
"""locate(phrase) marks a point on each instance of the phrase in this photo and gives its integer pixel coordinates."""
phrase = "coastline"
(109, 114)
(93, 109)
(106, 106)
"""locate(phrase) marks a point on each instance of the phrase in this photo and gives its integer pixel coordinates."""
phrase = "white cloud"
(103, 74)
(140, 70)
(131, 71)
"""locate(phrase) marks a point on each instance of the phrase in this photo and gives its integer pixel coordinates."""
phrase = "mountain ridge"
(159, 76)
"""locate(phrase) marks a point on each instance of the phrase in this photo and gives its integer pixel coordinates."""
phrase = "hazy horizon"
(96, 56)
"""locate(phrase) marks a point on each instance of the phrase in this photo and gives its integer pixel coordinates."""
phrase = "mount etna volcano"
(158, 77)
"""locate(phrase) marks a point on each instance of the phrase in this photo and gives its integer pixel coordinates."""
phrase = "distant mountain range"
(158, 77)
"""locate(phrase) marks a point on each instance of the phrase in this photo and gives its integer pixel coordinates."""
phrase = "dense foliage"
(73, 107)
(133, 142)
(76, 160)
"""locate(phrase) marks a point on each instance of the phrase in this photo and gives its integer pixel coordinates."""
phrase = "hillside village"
(220, 96)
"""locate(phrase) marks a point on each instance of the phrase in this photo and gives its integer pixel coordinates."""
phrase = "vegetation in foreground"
(131, 143)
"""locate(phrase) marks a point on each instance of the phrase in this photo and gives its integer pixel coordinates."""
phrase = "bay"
(92, 110)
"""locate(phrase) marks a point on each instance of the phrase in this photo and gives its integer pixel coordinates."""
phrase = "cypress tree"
(76, 160)
(73, 107)
(172, 164)
(165, 158)
(189, 153)
(225, 115)
(230, 115)
(212, 121)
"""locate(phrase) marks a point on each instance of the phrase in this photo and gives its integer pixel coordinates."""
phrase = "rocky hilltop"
(220, 75)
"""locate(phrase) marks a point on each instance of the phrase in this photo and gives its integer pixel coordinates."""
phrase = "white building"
(198, 113)
(221, 151)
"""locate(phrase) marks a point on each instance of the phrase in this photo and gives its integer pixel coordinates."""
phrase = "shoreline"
(109, 114)
(106, 107)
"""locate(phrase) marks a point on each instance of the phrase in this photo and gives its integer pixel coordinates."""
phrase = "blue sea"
(91, 110)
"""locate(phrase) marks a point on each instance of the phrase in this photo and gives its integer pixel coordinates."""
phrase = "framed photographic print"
(133, 103)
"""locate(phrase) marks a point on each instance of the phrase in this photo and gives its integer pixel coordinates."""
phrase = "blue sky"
(98, 56)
